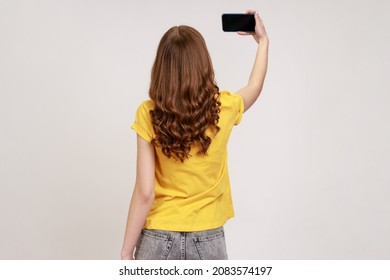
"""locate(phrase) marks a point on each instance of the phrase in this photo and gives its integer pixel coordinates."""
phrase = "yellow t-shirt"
(193, 195)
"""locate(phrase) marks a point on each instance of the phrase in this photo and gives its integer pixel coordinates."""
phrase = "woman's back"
(195, 194)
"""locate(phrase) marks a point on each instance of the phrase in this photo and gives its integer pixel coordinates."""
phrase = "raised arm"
(252, 91)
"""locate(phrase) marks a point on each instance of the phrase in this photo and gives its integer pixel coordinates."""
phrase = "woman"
(182, 197)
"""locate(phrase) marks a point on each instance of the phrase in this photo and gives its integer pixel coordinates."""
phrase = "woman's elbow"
(145, 194)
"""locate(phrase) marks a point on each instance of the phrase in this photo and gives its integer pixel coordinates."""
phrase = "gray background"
(309, 164)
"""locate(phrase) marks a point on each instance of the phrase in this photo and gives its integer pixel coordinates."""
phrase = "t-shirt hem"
(185, 227)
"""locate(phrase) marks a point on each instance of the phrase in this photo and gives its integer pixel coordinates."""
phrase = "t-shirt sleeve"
(234, 104)
(239, 107)
(143, 124)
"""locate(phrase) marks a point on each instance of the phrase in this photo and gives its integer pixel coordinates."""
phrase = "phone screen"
(238, 22)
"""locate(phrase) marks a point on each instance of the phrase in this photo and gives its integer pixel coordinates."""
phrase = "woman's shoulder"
(228, 97)
(145, 106)
(148, 104)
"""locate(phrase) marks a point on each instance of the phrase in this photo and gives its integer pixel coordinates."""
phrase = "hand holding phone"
(259, 33)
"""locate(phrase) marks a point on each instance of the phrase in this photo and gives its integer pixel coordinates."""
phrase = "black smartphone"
(238, 22)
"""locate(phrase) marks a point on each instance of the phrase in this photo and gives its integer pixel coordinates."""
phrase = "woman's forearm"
(259, 71)
(140, 206)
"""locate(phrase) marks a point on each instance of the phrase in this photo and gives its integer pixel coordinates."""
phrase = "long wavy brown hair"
(185, 93)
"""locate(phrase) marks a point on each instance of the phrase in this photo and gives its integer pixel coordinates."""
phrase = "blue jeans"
(171, 245)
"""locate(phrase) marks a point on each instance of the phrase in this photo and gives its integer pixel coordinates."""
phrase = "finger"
(250, 12)
(259, 23)
(257, 17)
(244, 33)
